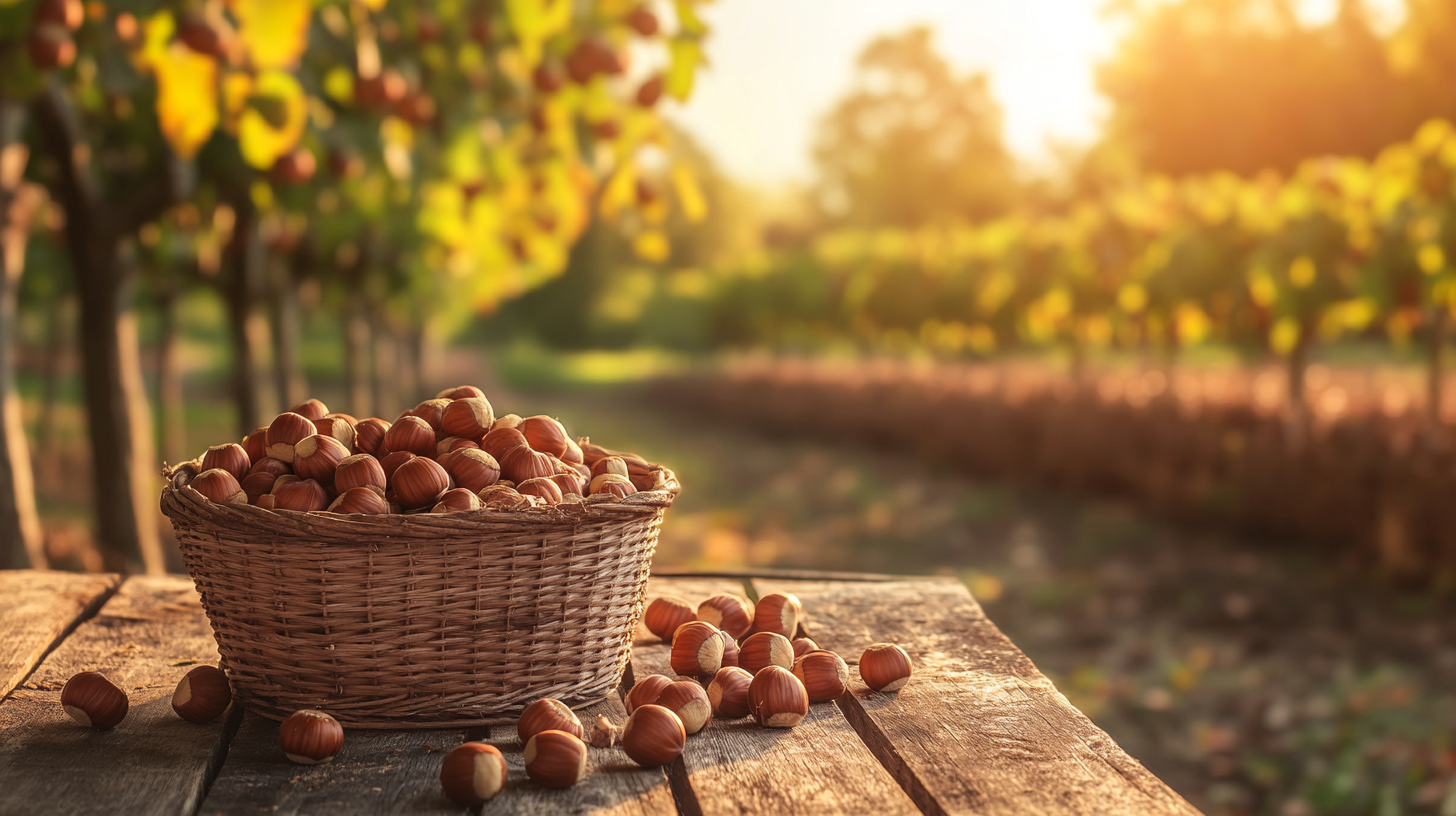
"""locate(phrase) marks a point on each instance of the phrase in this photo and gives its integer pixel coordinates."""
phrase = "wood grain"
(37, 609)
(734, 767)
(978, 729)
(145, 639)
(388, 772)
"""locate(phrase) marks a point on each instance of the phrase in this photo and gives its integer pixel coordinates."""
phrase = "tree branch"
(152, 198)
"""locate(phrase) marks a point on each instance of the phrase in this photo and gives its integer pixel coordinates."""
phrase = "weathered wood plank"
(37, 609)
(384, 772)
(145, 638)
(978, 729)
(736, 767)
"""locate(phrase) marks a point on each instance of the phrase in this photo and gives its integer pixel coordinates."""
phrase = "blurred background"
(1132, 314)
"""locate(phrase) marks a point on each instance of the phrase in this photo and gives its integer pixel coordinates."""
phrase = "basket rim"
(180, 499)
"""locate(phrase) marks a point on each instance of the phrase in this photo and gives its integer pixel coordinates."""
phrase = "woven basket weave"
(420, 621)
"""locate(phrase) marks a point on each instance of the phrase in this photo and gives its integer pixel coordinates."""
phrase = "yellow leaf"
(1302, 272)
(339, 85)
(689, 194)
(274, 32)
(187, 104)
(1431, 259)
(534, 22)
(621, 191)
(1284, 335)
(374, 5)
(262, 143)
(652, 245)
(685, 56)
(1132, 298)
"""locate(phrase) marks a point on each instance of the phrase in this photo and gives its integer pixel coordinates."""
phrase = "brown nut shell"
(803, 646)
(202, 695)
(697, 651)
(410, 434)
(456, 500)
(653, 736)
(502, 439)
(230, 457)
(310, 409)
(779, 613)
(885, 667)
(613, 485)
(257, 484)
(728, 693)
(555, 759)
(338, 427)
(94, 701)
(545, 434)
(764, 649)
(521, 463)
(368, 501)
(665, 614)
(468, 418)
(472, 774)
(689, 702)
(824, 675)
(544, 489)
(310, 737)
(317, 457)
(432, 411)
(369, 436)
(609, 464)
(360, 470)
(472, 468)
(419, 482)
(305, 496)
(730, 649)
(777, 698)
(646, 690)
(286, 430)
(461, 392)
(548, 715)
(219, 486)
(255, 444)
(730, 613)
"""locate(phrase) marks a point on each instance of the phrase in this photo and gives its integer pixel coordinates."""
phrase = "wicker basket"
(420, 621)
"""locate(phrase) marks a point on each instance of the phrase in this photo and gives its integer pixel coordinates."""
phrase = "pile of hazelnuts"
(446, 455)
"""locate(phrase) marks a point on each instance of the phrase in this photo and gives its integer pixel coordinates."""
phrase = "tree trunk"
(386, 385)
(243, 256)
(356, 352)
(20, 531)
(1297, 417)
(170, 399)
(287, 376)
(1436, 376)
(58, 329)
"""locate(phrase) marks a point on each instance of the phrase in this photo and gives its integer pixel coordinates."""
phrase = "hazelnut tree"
(468, 144)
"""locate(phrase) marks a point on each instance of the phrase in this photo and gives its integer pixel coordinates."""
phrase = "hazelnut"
(612, 485)
(473, 773)
(461, 392)
(730, 649)
(419, 482)
(287, 478)
(521, 463)
(697, 651)
(555, 759)
(310, 737)
(349, 418)
(456, 500)
(645, 691)
(452, 443)
(256, 484)
(368, 501)
(317, 456)
(730, 613)
(500, 440)
(591, 454)
(545, 489)
(310, 409)
(369, 436)
(604, 733)
(337, 427)
(779, 613)
(305, 496)
(544, 434)
(764, 649)
(728, 693)
(267, 501)
(803, 646)
(410, 434)
(884, 667)
(359, 470)
(777, 698)
(547, 715)
(472, 469)
(272, 467)
(255, 444)
(689, 702)
(569, 483)
(468, 418)
(219, 486)
(285, 431)
(508, 421)
(230, 457)
(573, 455)
(609, 464)
(664, 615)
(824, 675)
(501, 497)
(94, 701)
(653, 736)
(391, 462)
(202, 695)
(432, 412)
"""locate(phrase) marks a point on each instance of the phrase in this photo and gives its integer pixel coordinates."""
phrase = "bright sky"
(778, 65)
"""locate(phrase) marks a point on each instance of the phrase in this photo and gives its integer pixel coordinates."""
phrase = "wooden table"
(977, 730)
